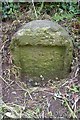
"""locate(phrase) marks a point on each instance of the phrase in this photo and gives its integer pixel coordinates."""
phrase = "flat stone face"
(42, 48)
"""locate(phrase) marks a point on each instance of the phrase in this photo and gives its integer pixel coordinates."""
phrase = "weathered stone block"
(42, 48)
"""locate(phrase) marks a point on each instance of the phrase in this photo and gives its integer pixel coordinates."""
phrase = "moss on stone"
(42, 51)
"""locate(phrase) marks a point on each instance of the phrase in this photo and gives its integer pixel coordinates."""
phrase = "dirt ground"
(47, 101)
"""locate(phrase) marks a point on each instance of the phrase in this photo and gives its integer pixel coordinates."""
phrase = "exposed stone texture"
(42, 48)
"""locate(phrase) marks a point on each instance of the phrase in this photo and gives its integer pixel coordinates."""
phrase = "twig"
(34, 9)
(3, 46)
(64, 83)
(76, 73)
(25, 90)
(11, 109)
(4, 80)
(9, 84)
(71, 111)
(48, 106)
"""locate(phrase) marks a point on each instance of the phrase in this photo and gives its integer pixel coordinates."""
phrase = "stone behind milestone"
(42, 49)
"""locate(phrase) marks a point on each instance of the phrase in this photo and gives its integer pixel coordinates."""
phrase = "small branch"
(25, 90)
(4, 80)
(71, 111)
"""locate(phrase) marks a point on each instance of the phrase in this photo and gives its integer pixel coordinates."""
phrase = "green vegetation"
(57, 10)
(9, 10)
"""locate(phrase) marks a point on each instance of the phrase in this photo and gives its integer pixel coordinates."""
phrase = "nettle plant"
(66, 11)
(9, 9)
(57, 10)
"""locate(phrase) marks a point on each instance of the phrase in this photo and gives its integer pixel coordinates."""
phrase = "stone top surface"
(42, 32)
(33, 25)
(38, 24)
